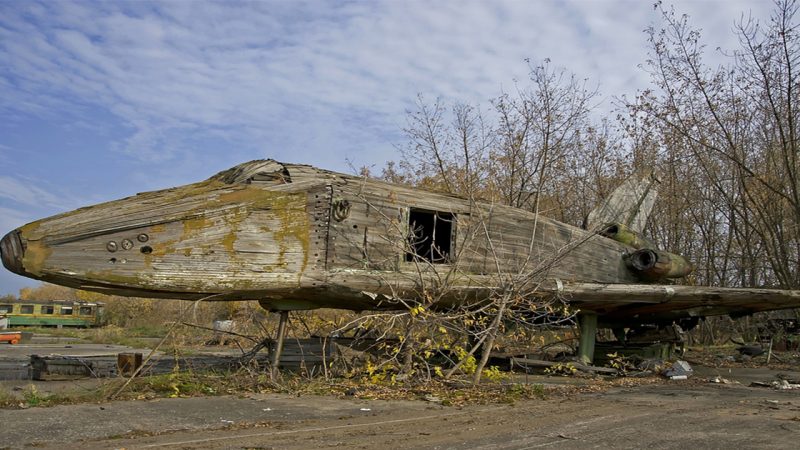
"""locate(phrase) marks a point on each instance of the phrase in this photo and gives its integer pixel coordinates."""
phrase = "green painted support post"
(588, 323)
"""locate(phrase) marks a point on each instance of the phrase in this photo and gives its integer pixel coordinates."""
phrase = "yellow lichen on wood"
(36, 256)
(295, 224)
(112, 277)
(30, 231)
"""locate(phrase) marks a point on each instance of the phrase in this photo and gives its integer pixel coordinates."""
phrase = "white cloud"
(11, 218)
(25, 193)
(24, 199)
(311, 76)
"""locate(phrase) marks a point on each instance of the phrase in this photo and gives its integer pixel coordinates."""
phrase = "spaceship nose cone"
(12, 249)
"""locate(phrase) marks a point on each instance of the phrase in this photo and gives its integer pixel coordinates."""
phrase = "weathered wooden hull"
(276, 240)
(297, 237)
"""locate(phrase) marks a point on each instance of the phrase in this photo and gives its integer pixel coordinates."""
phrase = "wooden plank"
(538, 363)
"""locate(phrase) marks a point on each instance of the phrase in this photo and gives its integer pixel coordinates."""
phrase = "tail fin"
(630, 204)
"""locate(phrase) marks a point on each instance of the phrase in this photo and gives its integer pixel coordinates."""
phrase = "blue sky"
(101, 100)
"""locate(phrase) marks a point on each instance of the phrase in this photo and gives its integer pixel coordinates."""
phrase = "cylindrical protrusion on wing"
(654, 265)
(622, 234)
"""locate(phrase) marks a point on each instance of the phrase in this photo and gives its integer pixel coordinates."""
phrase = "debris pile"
(679, 370)
(719, 380)
(783, 383)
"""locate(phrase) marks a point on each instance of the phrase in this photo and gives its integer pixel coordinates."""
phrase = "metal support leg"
(276, 355)
(588, 323)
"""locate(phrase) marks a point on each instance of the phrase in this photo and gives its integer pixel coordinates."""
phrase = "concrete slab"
(24, 351)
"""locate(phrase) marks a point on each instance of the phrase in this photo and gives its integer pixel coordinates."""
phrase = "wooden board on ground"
(541, 364)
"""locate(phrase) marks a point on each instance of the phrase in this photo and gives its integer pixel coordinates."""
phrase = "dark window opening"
(26, 309)
(6, 309)
(430, 236)
(66, 310)
(85, 311)
(47, 309)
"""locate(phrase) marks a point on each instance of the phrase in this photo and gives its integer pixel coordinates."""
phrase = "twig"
(769, 351)
(220, 331)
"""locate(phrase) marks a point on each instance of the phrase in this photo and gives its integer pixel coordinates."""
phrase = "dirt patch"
(623, 414)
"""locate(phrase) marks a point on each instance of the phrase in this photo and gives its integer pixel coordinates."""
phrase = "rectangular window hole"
(430, 236)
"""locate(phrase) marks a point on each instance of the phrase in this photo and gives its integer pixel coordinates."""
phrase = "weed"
(148, 331)
(620, 362)
(526, 391)
(181, 384)
(33, 397)
(561, 369)
(470, 364)
(6, 399)
(495, 375)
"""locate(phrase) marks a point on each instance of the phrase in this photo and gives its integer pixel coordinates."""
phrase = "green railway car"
(55, 313)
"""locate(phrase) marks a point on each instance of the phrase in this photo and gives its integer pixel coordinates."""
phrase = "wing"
(649, 303)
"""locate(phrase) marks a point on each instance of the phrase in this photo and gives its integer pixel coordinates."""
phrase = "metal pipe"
(276, 354)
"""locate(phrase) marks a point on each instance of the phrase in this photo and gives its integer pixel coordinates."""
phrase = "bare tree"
(539, 129)
(446, 148)
(729, 144)
(536, 144)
